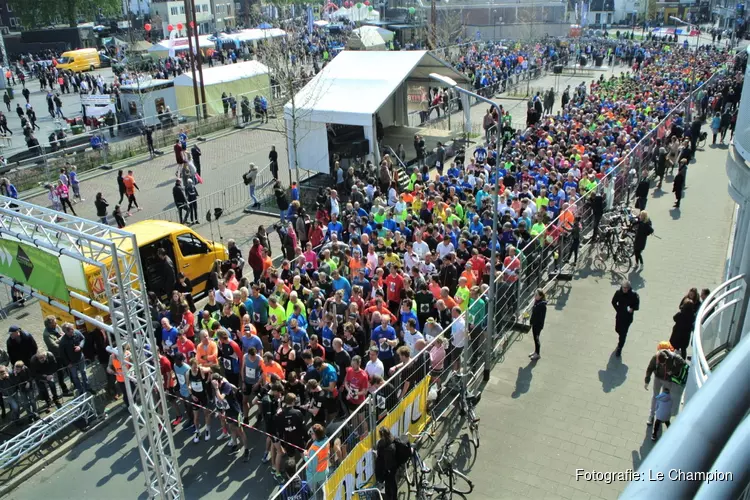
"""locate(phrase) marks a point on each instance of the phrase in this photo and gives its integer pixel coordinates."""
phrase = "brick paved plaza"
(579, 407)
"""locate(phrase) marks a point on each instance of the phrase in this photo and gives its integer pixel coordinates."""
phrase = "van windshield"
(65, 60)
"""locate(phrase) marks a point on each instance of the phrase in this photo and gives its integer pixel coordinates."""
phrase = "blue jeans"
(78, 376)
(251, 190)
(282, 215)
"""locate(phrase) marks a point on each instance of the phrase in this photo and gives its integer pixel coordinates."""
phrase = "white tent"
(161, 48)
(356, 14)
(248, 78)
(255, 34)
(369, 38)
(351, 90)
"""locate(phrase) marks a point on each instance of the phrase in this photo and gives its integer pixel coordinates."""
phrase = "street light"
(451, 83)
(697, 37)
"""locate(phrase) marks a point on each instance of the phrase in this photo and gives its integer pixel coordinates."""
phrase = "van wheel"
(91, 68)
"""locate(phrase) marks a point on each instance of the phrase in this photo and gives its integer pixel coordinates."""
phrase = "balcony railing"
(710, 438)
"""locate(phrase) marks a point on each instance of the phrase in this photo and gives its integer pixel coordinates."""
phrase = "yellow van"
(79, 60)
(192, 255)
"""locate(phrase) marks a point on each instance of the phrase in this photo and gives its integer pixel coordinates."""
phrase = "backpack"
(403, 450)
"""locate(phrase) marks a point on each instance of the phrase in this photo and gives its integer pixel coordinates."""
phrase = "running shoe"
(197, 438)
(266, 458)
(224, 434)
(246, 457)
(207, 435)
(177, 421)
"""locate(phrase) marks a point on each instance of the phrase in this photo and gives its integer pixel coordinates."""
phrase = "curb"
(64, 448)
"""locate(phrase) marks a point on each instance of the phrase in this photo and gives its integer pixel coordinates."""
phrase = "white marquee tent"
(369, 38)
(351, 90)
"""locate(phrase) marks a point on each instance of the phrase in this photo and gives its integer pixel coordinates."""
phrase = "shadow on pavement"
(523, 380)
(642, 452)
(615, 374)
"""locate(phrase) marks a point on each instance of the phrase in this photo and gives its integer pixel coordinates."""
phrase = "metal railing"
(41, 431)
(542, 261)
(228, 199)
(714, 326)
(711, 438)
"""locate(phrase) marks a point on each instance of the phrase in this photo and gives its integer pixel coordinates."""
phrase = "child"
(75, 184)
(663, 411)
(119, 219)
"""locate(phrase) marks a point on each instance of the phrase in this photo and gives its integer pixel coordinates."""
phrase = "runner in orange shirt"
(130, 187)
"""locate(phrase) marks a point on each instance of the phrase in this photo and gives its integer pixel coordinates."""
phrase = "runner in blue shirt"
(384, 337)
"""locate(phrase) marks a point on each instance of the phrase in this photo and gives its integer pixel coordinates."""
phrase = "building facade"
(8, 18)
(172, 12)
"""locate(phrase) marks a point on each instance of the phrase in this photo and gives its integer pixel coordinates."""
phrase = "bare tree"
(449, 25)
(289, 75)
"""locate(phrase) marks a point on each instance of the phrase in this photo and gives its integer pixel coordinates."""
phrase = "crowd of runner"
(368, 283)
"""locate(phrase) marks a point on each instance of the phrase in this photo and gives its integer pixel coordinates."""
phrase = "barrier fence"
(429, 382)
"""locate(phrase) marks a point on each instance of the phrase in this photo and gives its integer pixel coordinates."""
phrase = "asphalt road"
(107, 466)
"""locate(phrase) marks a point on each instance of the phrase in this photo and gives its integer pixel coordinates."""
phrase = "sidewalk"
(579, 407)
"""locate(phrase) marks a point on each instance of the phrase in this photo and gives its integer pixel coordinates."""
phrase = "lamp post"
(685, 23)
(450, 83)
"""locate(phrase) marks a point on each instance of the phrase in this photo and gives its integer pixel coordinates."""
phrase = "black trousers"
(131, 202)
(391, 487)
(622, 334)
(638, 256)
(66, 201)
(180, 208)
(536, 332)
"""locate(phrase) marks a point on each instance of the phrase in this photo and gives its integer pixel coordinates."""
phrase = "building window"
(10, 9)
(173, 11)
(182, 9)
(12, 22)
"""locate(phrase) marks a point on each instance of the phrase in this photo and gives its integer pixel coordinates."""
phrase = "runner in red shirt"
(394, 284)
(185, 346)
(356, 383)
(165, 367)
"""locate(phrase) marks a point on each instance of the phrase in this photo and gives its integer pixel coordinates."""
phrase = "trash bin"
(76, 129)
(598, 61)
(582, 61)
(9, 90)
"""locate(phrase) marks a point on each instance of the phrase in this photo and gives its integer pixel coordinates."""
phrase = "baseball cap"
(14, 328)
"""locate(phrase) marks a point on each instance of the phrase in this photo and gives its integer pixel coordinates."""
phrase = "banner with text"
(358, 468)
(33, 267)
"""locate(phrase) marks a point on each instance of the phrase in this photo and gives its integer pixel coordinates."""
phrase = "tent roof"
(225, 73)
(359, 83)
(181, 44)
(249, 35)
(140, 46)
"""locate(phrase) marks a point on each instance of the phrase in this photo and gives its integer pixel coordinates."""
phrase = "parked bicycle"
(439, 481)
(611, 246)
(467, 403)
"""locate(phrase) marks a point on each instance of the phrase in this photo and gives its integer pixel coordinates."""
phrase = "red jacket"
(254, 258)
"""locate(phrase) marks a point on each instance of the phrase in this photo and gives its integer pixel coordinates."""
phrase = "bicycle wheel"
(474, 433)
(411, 471)
(460, 483)
(622, 257)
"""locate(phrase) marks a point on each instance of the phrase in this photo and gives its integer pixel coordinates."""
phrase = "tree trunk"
(70, 12)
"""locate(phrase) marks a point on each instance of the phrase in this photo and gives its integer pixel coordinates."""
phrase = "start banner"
(357, 470)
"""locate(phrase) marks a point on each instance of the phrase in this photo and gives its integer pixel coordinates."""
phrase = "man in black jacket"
(43, 367)
(21, 345)
(71, 352)
(641, 192)
(626, 302)
(180, 200)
